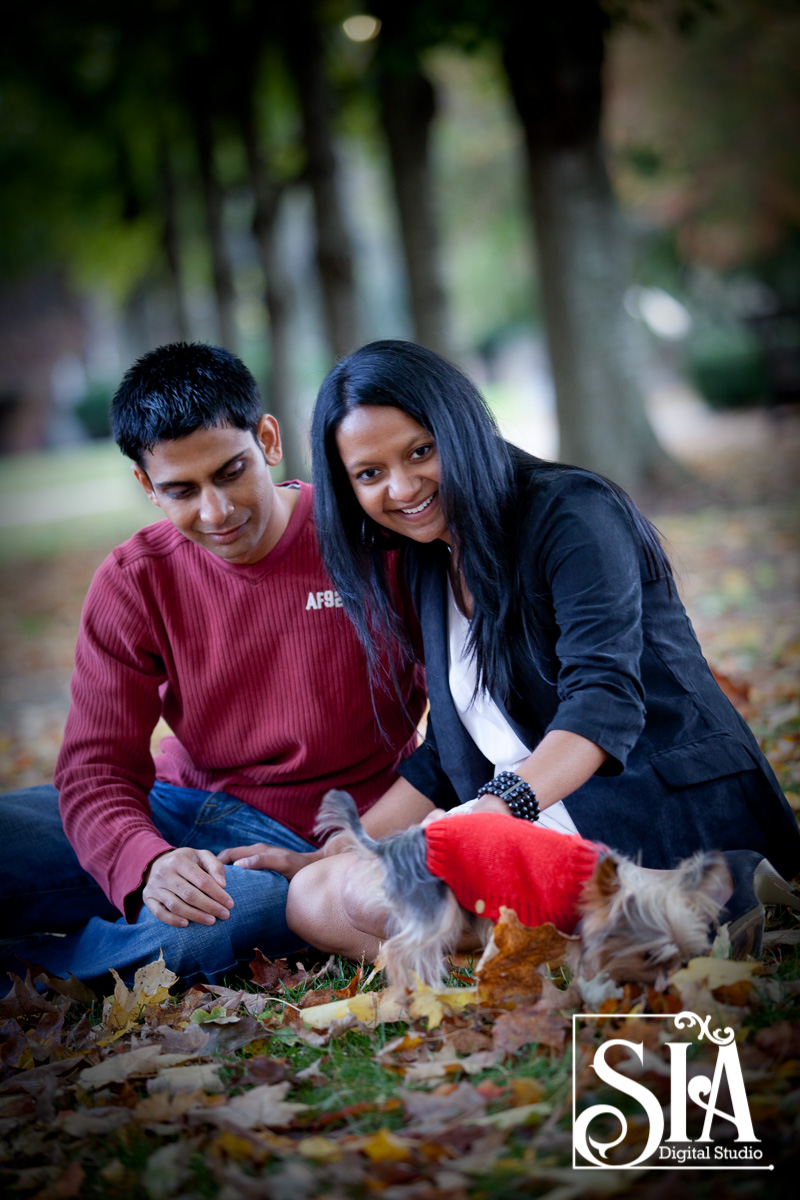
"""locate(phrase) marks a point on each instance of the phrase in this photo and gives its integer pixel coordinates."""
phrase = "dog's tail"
(424, 918)
(338, 814)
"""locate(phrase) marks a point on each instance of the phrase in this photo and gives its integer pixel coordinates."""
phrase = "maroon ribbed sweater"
(256, 669)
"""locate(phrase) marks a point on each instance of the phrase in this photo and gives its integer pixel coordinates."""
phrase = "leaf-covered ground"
(310, 1079)
(322, 1083)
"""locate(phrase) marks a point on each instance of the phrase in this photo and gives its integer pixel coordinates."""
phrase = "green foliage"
(94, 411)
(727, 367)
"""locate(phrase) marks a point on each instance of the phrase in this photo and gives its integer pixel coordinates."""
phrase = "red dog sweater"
(490, 859)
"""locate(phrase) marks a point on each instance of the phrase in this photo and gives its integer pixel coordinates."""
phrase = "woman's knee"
(314, 894)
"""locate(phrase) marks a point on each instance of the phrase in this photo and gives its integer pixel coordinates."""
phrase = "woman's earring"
(367, 538)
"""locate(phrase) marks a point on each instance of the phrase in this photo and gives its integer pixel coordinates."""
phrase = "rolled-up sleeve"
(587, 560)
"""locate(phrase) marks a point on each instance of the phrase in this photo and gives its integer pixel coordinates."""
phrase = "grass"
(67, 498)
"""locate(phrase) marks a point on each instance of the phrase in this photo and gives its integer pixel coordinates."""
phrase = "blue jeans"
(52, 912)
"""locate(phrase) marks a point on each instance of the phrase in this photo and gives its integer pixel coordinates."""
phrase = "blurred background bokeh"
(579, 201)
(592, 205)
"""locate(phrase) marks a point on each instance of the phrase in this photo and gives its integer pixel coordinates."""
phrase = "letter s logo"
(628, 1087)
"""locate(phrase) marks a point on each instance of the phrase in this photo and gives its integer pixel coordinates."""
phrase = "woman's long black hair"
(476, 491)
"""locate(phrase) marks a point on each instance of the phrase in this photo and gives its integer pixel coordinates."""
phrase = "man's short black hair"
(173, 390)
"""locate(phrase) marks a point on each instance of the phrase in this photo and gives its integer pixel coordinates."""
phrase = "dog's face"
(640, 925)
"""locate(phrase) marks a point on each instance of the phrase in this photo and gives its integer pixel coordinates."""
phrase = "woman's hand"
(486, 803)
(261, 857)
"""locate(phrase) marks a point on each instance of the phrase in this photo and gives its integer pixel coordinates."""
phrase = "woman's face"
(393, 466)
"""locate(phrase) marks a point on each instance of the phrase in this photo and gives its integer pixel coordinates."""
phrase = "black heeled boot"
(755, 883)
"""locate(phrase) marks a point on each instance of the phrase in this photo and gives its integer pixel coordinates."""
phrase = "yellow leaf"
(233, 1145)
(153, 979)
(715, 972)
(151, 985)
(526, 1091)
(434, 1003)
(385, 1146)
(509, 1117)
(369, 1008)
(320, 1149)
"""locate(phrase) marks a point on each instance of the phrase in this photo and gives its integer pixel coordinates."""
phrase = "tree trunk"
(171, 239)
(554, 61)
(214, 197)
(408, 106)
(278, 296)
(334, 253)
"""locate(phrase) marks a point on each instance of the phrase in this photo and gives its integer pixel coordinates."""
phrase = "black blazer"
(604, 649)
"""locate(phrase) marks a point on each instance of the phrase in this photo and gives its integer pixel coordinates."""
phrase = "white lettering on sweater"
(327, 599)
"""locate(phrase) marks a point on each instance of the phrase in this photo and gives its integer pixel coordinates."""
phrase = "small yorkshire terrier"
(452, 876)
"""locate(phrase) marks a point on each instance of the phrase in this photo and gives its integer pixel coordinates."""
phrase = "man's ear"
(268, 436)
(147, 487)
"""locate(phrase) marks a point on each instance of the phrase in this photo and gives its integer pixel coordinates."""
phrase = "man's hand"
(261, 857)
(186, 885)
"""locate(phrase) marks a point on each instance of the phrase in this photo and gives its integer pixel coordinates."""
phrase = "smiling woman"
(565, 682)
(393, 465)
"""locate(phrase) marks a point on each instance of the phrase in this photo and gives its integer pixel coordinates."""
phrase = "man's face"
(215, 487)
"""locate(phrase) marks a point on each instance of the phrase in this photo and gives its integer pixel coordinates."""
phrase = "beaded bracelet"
(515, 792)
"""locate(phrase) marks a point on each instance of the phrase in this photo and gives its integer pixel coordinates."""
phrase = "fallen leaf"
(525, 1091)
(435, 1111)
(781, 937)
(166, 1169)
(320, 1149)
(227, 1034)
(93, 1122)
(23, 999)
(368, 1008)
(72, 988)
(780, 1041)
(197, 1076)
(68, 1184)
(439, 1064)
(526, 1114)
(712, 974)
(191, 1040)
(166, 1107)
(151, 985)
(274, 974)
(432, 1004)
(468, 1040)
(385, 1146)
(529, 1026)
(262, 1107)
(147, 1060)
(239, 1147)
(509, 973)
(33, 1079)
(406, 1043)
(481, 1060)
(13, 1043)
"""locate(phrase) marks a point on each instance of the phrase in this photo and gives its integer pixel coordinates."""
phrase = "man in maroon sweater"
(221, 620)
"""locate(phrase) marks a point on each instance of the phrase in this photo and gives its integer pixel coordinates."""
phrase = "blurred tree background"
(593, 195)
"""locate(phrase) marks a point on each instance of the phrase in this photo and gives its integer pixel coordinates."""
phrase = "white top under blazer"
(483, 720)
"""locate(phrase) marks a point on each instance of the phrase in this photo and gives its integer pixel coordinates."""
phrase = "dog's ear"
(707, 877)
(600, 890)
(606, 878)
